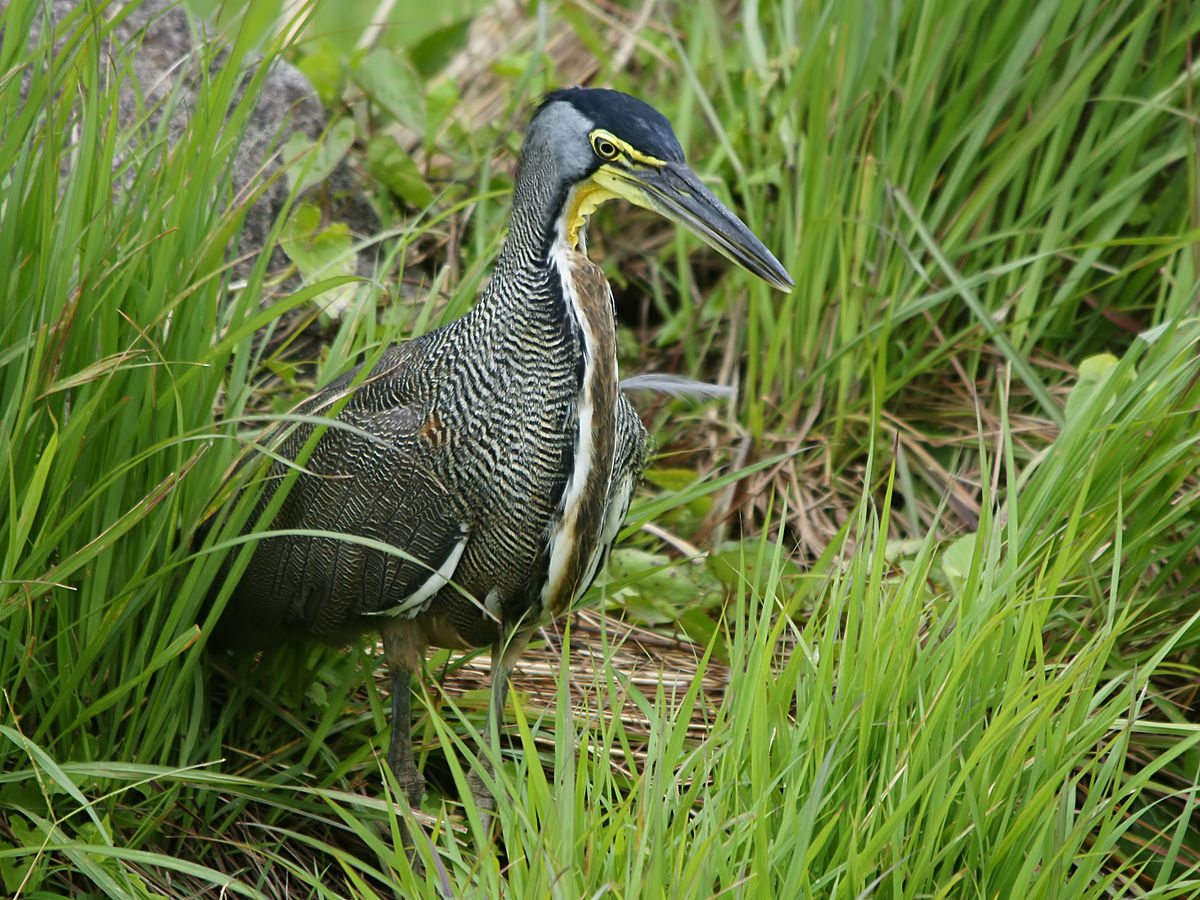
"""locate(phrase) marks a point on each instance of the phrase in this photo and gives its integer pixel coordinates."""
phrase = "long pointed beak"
(674, 191)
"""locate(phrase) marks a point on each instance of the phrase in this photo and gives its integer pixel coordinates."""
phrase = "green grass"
(954, 596)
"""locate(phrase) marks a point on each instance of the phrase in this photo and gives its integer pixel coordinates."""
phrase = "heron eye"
(605, 148)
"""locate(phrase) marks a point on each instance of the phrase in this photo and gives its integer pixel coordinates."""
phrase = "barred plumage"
(496, 454)
(448, 452)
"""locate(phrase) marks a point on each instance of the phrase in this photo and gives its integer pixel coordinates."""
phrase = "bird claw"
(485, 802)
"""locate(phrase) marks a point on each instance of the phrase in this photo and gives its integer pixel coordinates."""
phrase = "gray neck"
(547, 168)
(537, 208)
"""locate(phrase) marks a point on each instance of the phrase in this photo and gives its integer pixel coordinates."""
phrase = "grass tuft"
(914, 613)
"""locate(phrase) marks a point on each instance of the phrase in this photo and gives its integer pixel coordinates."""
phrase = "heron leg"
(403, 653)
(505, 653)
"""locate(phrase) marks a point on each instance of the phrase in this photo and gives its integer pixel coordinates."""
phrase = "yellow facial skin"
(609, 182)
(670, 189)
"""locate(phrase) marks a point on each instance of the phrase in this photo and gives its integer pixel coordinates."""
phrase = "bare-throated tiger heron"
(497, 454)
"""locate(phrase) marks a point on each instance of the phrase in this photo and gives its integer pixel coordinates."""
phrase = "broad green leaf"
(390, 164)
(310, 162)
(393, 84)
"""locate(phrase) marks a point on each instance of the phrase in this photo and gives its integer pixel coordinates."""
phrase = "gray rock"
(165, 60)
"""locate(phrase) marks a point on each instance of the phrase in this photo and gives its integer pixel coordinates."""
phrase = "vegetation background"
(914, 614)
